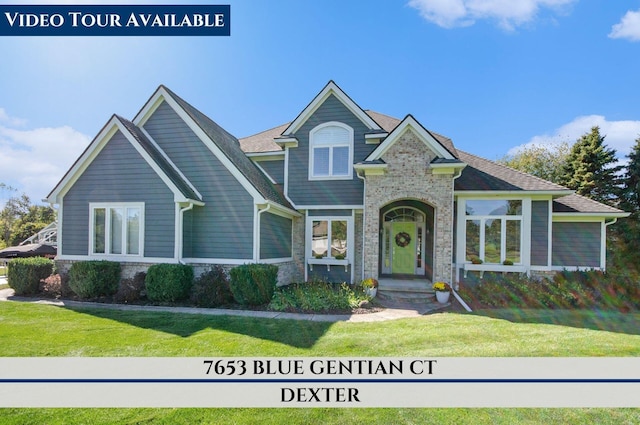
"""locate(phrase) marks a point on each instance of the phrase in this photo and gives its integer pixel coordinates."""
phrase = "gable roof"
(265, 140)
(182, 188)
(229, 146)
(330, 89)
(425, 135)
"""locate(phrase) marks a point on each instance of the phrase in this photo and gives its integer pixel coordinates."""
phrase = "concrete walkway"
(391, 312)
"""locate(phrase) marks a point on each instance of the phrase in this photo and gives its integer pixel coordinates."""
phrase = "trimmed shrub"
(56, 285)
(169, 282)
(253, 284)
(131, 289)
(92, 279)
(24, 274)
(212, 288)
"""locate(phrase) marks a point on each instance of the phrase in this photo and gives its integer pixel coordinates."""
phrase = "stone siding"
(409, 176)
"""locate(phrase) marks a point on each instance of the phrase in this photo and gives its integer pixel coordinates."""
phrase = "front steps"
(408, 295)
(410, 291)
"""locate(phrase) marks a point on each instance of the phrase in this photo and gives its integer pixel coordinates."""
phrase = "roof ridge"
(514, 170)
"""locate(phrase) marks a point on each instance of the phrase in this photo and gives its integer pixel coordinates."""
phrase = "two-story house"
(339, 193)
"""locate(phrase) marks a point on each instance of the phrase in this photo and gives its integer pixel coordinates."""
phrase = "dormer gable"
(409, 122)
(331, 89)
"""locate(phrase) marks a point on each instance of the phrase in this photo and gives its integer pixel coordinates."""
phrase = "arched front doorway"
(407, 239)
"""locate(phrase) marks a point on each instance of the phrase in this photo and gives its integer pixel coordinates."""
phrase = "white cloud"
(12, 121)
(34, 160)
(629, 27)
(619, 135)
(508, 13)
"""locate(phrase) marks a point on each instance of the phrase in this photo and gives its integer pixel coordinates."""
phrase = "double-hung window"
(331, 151)
(116, 229)
(493, 230)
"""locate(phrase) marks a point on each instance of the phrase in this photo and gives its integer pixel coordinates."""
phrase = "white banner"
(319, 382)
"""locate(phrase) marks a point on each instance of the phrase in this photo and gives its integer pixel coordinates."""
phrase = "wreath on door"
(403, 239)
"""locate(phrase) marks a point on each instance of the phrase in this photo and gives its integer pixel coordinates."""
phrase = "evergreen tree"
(590, 169)
(631, 182)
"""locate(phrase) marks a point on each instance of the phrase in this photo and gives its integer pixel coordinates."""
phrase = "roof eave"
(552, 193)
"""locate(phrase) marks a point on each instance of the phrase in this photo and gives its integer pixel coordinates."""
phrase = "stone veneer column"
(409, 176)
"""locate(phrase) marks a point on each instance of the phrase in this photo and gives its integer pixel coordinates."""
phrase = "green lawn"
(38, 330)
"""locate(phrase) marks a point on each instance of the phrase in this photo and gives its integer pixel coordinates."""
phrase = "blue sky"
(490, 74)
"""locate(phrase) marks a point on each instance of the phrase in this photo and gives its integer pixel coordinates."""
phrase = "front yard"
(39, 330)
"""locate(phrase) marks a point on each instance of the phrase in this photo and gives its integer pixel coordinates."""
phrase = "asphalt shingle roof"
(230, 146)
(575, 203)
(264, 141)
(480, 174)
(483, 174)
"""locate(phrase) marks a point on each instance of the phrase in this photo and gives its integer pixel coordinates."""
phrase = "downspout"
(604, 239)
(256, 247)
(181, 231)
(364, 216)
(455, 294)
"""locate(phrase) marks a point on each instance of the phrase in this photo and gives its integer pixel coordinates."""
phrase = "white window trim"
(312, 146)
(525, 229)
(107, 207)
(350, 239)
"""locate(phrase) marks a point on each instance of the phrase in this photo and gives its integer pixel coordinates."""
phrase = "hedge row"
(24, 274)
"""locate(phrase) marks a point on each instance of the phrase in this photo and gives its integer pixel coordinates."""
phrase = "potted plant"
(476, 260)
(443, 291)
(507, 263)
(370, 286)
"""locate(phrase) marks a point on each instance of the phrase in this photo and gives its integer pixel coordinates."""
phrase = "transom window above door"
(331, 152)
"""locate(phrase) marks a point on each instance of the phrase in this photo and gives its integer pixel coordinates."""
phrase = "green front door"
(403, 242)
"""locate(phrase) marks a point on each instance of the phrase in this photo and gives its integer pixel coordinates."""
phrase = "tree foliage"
(544, 161)
(630, 197)
(19, 220)
(590, 169)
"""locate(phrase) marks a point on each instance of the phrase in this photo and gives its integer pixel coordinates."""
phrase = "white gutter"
(181, 230)
(256, 246)
(460, 300)
(455, 294)
(453, 204)
(364, 217)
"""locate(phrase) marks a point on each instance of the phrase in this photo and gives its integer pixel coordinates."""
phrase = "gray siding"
(223, 228)
(275, 169)
(326, 192)
(275, 236)
(576, 244)
(335, 275)
(119, 174)
(539, 233)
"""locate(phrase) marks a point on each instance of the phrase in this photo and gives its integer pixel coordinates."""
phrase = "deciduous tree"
(544, 161)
